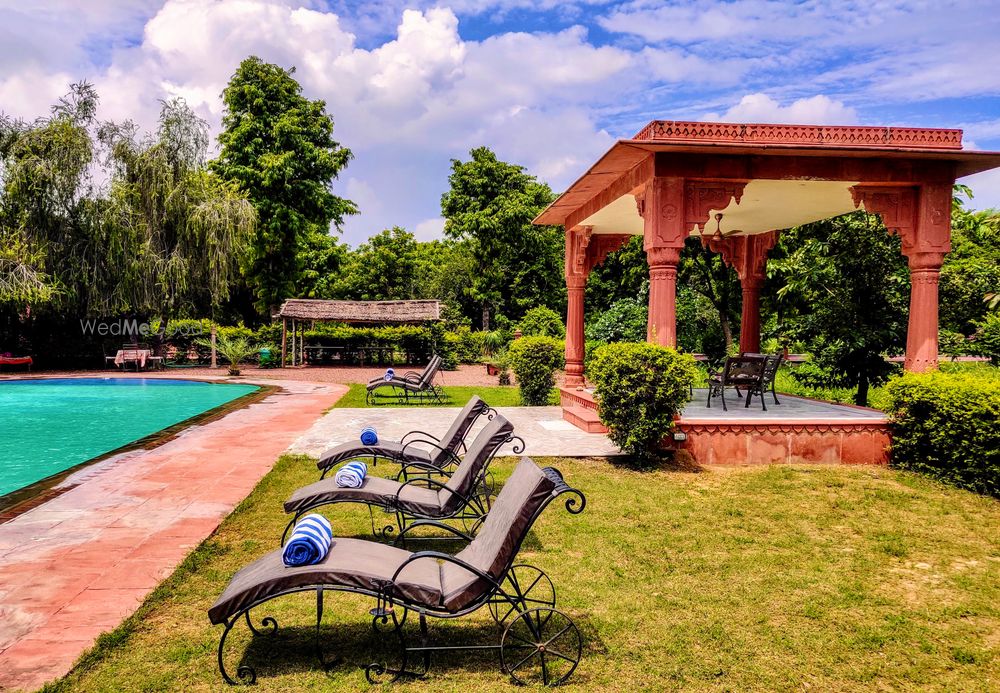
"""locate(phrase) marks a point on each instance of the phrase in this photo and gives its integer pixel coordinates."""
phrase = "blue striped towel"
(310, 541)
(369, 436)
(351, 475)
(389, 374)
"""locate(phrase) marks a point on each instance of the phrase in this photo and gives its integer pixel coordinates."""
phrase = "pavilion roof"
(371, 312)
(760, 140)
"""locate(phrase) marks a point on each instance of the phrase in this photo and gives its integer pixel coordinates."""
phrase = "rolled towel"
(369, 436)
(351, 475)
(389, 374)
(310, 541)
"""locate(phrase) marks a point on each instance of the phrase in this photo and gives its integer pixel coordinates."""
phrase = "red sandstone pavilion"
(736, 186)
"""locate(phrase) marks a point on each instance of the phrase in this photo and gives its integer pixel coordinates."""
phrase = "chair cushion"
(351, 563)
(375, 490)
(387, 449)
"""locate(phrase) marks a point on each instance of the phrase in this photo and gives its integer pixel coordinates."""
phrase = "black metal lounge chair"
(417, 498)
(537, 642)
(739, 373)
(416, 447)
(410, 388)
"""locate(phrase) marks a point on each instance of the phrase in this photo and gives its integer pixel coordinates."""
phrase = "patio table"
(136, 356)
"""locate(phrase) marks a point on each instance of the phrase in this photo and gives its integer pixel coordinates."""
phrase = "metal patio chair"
(537, 643)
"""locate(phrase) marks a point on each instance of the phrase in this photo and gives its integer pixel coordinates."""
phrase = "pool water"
(49, 425)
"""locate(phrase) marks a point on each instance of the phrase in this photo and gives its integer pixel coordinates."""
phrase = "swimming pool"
(50, 425)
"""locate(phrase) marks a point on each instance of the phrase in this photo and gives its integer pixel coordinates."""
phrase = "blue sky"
(548, 84)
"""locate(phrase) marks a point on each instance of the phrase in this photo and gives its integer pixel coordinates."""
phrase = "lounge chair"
(416, 498)
(409, 388)
(537, 643)
(416, 447)
(739, 373)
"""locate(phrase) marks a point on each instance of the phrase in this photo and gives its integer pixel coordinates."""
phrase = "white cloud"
(761, 108)
(985, 189)
(429, 229)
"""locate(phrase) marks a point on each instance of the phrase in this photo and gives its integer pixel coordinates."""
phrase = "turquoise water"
(50, 425)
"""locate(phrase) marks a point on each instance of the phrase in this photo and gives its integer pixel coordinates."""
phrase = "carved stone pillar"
(664, 229)
(584, 251)
(748, 256)
(922, 218)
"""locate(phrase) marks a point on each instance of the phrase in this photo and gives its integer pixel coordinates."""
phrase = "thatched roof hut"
(361, 312)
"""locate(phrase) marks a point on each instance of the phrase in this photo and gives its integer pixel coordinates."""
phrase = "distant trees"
(277, 147)
(490, 204)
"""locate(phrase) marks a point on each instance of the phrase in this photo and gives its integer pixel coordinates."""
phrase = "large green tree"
(970, 275)
(518, 266)
(845, 286)
(193, 228)
(277, 146)
(382, 268)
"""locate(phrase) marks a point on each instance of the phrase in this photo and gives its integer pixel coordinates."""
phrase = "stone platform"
(797, 430)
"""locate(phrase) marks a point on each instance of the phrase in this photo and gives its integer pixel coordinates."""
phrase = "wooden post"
(284, 336)
(293, 342)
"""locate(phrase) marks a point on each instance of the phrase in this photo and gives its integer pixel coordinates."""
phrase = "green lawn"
(759, 578)
(455, 396)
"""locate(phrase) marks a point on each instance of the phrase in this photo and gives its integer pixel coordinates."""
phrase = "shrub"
(234, 349)
(988, 338)
(945, 425)
(624, 321)
(534, 361)
(543, 322)
(640, 387)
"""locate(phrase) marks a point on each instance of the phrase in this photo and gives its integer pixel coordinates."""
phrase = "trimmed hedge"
(948, 426)
(534, 361)
(542, 322)
(640, 388)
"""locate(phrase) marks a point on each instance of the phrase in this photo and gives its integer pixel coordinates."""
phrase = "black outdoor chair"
(742, 373)
(410, 388)
(416, 447)
(770, 372)
(416, 497)
(537, 643)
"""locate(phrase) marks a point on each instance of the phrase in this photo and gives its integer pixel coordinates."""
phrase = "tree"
(278, 147)
(704, 272)
(518, 266)
(971, 271)
(382, 268)
(192, 227)
(846, 286)
(624, 274)
(323, 261)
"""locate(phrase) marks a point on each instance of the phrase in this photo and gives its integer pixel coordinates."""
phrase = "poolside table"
(135, 356)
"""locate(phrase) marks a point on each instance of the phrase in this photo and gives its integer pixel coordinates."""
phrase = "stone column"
(575, 345)
(750, 317)
(922, 329)
(662, 208)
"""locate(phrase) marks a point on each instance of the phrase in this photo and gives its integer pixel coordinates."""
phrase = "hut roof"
(399, 312)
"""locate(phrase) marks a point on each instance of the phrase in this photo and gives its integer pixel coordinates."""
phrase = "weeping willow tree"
(191, 227)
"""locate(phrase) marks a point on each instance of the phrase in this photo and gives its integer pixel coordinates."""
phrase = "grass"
(758, 578)
(455, 396)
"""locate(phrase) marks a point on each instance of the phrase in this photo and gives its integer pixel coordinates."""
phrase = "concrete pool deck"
(80, 563)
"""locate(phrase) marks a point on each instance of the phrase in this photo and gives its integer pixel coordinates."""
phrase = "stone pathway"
(79, 564)
(545, 432)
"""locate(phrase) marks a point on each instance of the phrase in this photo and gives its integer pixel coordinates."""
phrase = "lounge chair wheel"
(531, 585)
(540, 646)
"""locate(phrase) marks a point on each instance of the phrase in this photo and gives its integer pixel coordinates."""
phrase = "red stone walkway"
(79, 564)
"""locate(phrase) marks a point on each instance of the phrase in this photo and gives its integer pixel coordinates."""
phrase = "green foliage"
(383, 268)
(624, 321)
(945, 425)
(278, 148)
(623, 274)
(703, 273)
(639, 389)
(235, 350)
(542, 321)
(988, 338)
(846, 292)
(971, 271)
(516, 266)
(534, 361)
(954, 344)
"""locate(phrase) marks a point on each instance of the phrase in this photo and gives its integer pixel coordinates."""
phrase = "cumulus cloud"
(761, 108)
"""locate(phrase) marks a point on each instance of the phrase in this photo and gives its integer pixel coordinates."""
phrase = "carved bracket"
(703, 196)
(920, 216)
(585, 250)
(746, 254)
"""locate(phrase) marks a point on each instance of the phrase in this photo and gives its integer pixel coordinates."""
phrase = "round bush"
(542, 321)
(639, 389)
(624, 321)
(534, 361)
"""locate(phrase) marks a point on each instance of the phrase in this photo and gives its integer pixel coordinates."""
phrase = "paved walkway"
(79, 564)
(545, 432)
(791, 407)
